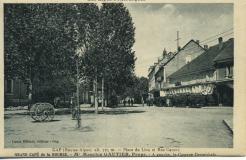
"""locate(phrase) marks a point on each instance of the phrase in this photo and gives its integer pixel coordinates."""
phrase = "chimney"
(179, 48)
(205, 47)
(150, 68)
(197, 41)
(164, 54)
(220, 39)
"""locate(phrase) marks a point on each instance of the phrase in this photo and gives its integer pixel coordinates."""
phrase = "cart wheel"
(42, 112)
(33, 113)
(50, 114)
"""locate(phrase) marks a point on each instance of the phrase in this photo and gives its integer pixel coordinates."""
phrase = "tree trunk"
(96, 96)
(102, 93)
(77, 91)
(107, 99)
(29, 94)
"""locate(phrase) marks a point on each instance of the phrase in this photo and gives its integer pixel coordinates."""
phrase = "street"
(125, 127)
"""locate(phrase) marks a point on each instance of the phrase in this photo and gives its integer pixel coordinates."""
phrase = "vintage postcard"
(122, 78)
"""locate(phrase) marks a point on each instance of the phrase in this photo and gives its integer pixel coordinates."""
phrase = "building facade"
(168, 64)
(207, 80)
(189, 52)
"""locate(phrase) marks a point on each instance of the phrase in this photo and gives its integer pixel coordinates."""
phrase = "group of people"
(130, 102)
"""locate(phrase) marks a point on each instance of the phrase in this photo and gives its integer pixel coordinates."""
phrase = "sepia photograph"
(118, 75)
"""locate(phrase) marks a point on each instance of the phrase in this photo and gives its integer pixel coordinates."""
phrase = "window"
(187, 59)
(178, 84)
(229, 72)
(9, 86)
(221, 73)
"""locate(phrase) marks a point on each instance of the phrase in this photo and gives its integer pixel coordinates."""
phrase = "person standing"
(131, 102)
(73, 110)
(29, 100)
(142, 101)
(29, 95)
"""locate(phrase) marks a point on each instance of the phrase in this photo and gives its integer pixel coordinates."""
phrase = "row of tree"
(138, 91)
(43, 42)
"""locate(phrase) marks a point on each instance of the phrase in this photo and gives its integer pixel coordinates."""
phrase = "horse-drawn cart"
(42, 112)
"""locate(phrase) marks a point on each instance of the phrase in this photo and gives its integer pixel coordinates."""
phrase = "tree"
(138, 90)
(41, 42)
(117, 36)
(110, 57)
(40, 45)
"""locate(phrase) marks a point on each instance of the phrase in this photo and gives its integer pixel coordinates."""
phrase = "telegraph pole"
(177, 48)
(177, 40)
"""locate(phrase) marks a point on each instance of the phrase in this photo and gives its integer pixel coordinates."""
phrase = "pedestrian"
(124, 101)
(148, 101)
(57, 101)
(73, 110)
(131, 102)
(29, 100)
(142, 101)
(168, 102)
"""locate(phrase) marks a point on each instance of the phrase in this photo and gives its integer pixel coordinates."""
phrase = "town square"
(124, 127)
(118, 75)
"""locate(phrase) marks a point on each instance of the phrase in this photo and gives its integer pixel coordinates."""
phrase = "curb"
(228, 126)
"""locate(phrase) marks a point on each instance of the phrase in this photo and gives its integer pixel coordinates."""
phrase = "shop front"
(195, 95)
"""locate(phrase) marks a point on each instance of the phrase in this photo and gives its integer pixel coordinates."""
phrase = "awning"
(201, 89)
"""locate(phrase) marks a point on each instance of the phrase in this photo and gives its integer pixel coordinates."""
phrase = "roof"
(183, 49)
(190, 42)
(226, 55)
(173, 56)
(205, 61)
(151, 71)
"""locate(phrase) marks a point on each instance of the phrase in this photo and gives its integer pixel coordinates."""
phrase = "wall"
(192, 50)
(159, 77)
(151, 80)
(224, 72)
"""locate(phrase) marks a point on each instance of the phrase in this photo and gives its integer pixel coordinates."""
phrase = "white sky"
(157, 26)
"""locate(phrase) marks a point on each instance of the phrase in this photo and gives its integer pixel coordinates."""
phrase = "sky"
(157, 25)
